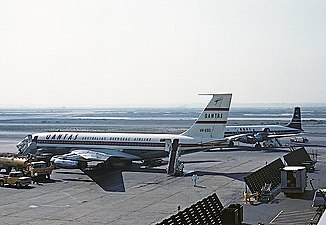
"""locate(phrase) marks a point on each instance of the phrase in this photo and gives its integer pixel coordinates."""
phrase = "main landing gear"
(258, 146)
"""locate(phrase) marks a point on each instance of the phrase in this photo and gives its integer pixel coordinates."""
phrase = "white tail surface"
(212, 121)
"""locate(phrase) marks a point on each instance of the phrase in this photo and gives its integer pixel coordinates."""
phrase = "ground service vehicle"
(25, 164)
(299, 140)
(293, 180)
(15, 178)
(9, 161)
(39, 169)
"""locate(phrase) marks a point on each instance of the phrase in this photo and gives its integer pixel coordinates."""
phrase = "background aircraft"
(255, 134)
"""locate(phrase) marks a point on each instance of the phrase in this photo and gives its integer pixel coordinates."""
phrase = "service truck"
(27, 165)
(15, 178)
(39, 169)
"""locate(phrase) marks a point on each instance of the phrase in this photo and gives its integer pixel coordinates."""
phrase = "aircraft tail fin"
(296, 119)
(212, 121)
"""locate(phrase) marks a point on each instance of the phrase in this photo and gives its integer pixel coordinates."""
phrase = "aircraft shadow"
(108, 180)
(111, 180)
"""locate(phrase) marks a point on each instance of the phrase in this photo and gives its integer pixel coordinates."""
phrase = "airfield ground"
(148, 196)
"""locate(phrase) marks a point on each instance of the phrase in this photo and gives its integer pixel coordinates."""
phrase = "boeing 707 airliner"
(82, 147)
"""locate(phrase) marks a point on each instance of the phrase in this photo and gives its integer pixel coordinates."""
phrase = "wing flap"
(96, 155)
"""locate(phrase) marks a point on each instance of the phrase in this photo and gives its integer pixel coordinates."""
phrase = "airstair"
(174, 167)
(27, 146)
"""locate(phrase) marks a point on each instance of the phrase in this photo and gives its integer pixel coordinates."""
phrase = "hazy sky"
(161, 52)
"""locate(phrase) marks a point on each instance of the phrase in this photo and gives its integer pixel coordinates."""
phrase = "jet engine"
(260, 137)
(67, 164)
(248, 139)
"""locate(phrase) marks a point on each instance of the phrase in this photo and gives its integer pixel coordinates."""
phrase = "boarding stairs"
(174, 167)
(27, 146)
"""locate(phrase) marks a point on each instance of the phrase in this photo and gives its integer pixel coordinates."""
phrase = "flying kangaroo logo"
(218, 102)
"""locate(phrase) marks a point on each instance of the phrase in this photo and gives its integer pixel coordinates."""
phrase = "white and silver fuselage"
(275, 129)
(142, 145)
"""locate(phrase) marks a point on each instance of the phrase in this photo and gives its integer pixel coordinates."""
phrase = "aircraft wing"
(77, 158)
(96, 155)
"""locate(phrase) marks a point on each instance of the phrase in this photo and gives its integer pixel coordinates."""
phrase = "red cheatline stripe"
(216, 109)
(129, 144)
(211, 122)
(151, 144)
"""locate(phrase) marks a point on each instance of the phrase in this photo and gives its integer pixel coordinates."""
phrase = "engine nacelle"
(247, 139)
(65, 163)
(260, 137)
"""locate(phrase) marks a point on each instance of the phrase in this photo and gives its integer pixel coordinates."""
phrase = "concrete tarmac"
(148, 196)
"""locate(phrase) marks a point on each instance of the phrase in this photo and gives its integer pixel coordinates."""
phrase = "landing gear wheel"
(258, 146)
(231, 144)
(18, 185)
